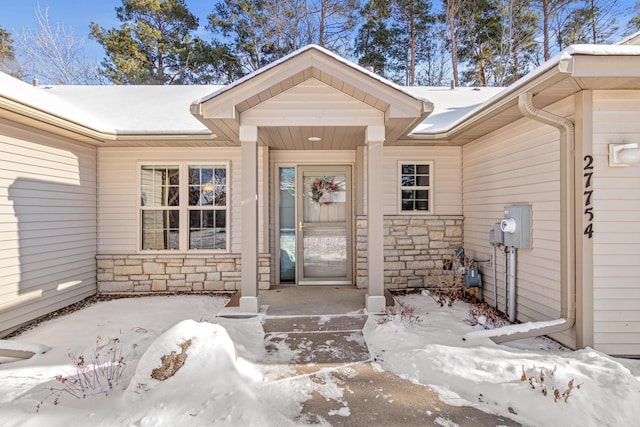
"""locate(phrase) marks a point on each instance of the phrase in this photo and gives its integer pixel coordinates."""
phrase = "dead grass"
(171, 363)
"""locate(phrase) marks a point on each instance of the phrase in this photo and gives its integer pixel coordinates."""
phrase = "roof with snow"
(165, 110)
(138, 109)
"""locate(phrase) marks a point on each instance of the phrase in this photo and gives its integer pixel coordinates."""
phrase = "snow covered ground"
(214, 387)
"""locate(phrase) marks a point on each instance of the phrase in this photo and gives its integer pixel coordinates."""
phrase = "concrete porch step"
(314, 323)
(318, 340)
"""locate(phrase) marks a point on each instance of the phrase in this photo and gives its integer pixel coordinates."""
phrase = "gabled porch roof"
(333, 81)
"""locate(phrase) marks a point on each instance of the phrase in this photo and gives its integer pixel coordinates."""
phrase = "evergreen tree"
(8, 62)
(435, 69)
(411, 21)
(518, 50)
(259, 32)
(215, 64)
(588, 21)
(331, 23)
(373, 38)
(480, 28)
(451, 8)
(255, 29)
(152, 46)
(634, 23)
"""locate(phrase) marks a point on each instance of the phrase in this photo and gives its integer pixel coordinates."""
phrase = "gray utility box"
(496, 236)
(516, 226)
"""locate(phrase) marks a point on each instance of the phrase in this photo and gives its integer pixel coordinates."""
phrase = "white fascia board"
(309, 57)
(45, 117)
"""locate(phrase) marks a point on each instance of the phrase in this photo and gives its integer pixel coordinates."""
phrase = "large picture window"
(416, 182)
(183, 207)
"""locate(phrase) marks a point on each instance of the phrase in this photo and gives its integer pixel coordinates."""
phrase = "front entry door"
(324, 225)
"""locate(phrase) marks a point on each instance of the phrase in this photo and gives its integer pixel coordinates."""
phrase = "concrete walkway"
(317, 331)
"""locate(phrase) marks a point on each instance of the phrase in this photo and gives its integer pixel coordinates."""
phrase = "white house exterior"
(315, 171)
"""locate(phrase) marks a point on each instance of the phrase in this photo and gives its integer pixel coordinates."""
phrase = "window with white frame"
(183, 207)
(416, 186)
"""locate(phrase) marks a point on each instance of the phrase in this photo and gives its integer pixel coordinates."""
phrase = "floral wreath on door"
(321, 190)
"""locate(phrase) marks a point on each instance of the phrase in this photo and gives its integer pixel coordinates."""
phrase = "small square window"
(415, 187)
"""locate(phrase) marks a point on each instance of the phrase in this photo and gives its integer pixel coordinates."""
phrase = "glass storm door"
(324, 225)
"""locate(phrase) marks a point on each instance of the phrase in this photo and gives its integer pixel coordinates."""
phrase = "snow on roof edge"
(564, 55)
(628, 38)
(299, 52)
(35, 98)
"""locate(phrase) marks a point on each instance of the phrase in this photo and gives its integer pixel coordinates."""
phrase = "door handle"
(300, 225)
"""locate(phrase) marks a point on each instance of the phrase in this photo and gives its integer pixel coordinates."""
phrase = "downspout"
(567, 233)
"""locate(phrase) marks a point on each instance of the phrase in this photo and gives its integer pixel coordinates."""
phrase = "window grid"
(160, 207)
(183, 207)
(415, 187)
(207, 207)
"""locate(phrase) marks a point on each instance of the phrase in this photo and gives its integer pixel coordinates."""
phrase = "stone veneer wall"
(173, 273)
(413, 244)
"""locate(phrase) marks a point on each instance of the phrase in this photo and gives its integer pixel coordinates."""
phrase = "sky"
(77, 14)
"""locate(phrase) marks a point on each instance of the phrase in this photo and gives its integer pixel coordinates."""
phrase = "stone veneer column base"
(413, 245)
(175, 273)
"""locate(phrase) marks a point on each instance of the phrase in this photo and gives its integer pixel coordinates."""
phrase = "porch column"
(375, 219)
(249, 302)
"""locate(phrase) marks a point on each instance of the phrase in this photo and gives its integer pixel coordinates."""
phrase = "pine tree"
(480, 28)
(451, 7)
(634, 22)
(152, 46)
(8, 62)
(255, 29)
(519, 47)
(588, 21)
(373, 38)
(411, 21)
(331, 23)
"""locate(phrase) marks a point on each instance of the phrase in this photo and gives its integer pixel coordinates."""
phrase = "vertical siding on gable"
(47, 223)
(447, 183)
(616, 225)
(118, 189)
(518, 164)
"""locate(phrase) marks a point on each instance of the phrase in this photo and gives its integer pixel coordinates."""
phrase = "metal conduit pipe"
(567, 214)
(506, 279)
(495, 278)
(512, 284)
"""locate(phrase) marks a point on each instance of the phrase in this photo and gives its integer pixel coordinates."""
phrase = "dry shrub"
(485, 315)
(546, 377)
(171, 363)
(400, 313)
(446, 284)
(93, 377)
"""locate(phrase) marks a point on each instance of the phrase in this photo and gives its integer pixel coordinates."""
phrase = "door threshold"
(325, 283)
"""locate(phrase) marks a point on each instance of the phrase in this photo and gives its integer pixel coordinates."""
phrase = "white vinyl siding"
(118, 191)
(518, 164)
(299, 106)
(47, 223)
(616, 225)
